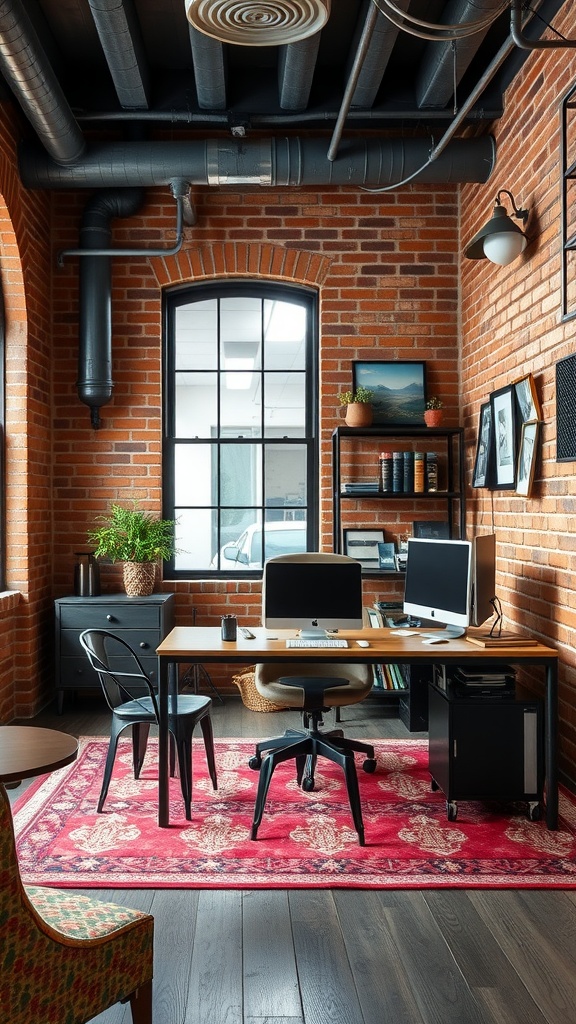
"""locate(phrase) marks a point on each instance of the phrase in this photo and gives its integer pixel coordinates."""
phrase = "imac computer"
(450, 582)
(316, 594)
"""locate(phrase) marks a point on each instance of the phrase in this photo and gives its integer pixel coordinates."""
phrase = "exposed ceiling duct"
(268, 162)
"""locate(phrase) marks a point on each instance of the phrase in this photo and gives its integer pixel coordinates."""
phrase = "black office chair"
(315, 688)
(133, 708)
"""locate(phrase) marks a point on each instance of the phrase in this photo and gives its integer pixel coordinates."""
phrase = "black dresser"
(142, 621)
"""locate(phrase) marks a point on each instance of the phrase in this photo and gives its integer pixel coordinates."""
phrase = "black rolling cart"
(485, 746)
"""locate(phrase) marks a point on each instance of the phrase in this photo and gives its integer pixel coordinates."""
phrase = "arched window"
(240, 425)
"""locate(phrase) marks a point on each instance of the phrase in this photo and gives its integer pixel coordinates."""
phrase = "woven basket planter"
(139, 578)
(251, 699)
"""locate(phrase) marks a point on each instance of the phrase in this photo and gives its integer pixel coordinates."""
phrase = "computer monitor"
(313, 593)
(450, 582)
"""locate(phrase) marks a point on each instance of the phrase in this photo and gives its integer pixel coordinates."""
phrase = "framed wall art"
(566, 410)
(362, 545)
(431, 529)
(529, 407)
(504, 445)
(481, 476)
(527, 457)
(399, 390)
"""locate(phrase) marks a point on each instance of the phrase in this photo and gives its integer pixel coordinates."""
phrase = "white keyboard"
(321, 642)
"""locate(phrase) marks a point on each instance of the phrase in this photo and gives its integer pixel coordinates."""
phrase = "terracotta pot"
(139, 578)
(433, 417)
(359, 414)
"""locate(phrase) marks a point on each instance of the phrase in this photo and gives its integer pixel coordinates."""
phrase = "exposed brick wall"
(511, 324)
(386, 271)
(26, 625)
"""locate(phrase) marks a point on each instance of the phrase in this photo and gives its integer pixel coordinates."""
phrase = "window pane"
(196, 336)
(193, 478)
(194, 538)
(285, 403)
(285, 481)
(240, 474)
(196, 401)
(285, 326)
(240, 398)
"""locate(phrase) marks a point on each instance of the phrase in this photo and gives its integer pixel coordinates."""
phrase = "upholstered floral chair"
(66, 958)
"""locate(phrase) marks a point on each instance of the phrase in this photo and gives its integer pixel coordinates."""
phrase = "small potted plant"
(433, 412)
(358, 406)
(137, 538)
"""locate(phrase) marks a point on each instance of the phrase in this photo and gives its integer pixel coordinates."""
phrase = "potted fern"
(358, 406)
(137, 538)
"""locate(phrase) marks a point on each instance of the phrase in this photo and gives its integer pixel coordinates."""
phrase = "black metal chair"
(133, 703)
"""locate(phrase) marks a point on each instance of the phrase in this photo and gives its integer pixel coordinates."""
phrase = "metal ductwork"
(95, 382)
(273, 162)
(121, 41)
(35, 86)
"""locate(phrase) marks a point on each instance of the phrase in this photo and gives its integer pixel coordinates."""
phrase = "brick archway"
(243, 259)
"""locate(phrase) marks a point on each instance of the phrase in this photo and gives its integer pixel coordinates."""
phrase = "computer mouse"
(363, 643)
(435, 640)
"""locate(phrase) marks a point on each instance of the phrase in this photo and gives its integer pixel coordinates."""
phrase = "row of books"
(388, 677)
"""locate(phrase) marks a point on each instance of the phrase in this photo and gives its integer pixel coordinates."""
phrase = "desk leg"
(552, 746)
(163, 771)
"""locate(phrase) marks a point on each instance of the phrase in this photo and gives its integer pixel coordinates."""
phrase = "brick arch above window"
(257, 260)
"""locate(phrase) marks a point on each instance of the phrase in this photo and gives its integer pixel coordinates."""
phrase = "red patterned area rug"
(306, 840)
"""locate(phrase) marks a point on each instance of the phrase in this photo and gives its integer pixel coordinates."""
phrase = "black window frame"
(281, 291)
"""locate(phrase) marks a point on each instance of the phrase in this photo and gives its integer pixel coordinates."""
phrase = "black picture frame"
(505, 442)
(483, 462)
(566, 409)
(398, 387)
(431, 529)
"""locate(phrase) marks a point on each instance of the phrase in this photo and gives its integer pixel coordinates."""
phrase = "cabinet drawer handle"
(143, 645)
(111, 618)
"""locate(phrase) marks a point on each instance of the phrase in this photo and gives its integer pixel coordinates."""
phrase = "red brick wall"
(511, 324)
(386, 271)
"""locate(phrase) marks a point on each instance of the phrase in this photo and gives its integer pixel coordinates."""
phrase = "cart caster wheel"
(451, 810)
(434, 785)
(369, 765)
(534, 811)
(255, 763)
(307, 784)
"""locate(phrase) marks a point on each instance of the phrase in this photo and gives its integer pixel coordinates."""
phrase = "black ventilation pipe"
(95, 382)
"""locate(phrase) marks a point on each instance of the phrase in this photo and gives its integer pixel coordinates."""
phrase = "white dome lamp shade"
(258, 22)
(500, 240)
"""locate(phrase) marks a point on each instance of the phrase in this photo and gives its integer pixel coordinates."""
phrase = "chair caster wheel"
(369, 765)
(255, 763)
(534, 811)
(307, 784)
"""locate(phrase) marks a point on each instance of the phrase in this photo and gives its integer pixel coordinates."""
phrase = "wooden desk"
(205, 645)
(26, 751)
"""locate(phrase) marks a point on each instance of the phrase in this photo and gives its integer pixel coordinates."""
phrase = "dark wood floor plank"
(481, 960)
(384, 989)
(326, 981)
(537, 932)
(215, 980)
(439, 988)
(270, 975)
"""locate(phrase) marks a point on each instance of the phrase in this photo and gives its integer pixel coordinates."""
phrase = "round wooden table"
(26, 751)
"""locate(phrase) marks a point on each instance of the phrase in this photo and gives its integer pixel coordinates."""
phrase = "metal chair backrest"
(118, 686)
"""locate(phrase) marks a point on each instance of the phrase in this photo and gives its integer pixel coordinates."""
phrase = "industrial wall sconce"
(500, 240)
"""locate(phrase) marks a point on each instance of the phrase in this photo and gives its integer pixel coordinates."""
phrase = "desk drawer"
(109, 616)
(142, 641)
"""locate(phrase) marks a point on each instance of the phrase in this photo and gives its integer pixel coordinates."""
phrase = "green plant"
(361, 394)
(434, 403)
(132, 535)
